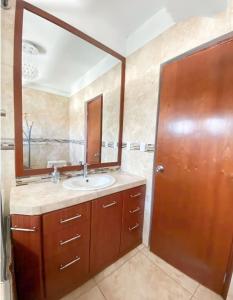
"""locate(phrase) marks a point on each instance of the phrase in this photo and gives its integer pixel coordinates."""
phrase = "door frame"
(86, 124)
(220, 40)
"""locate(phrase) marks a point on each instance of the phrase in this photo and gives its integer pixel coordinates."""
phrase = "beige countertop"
(43, 197)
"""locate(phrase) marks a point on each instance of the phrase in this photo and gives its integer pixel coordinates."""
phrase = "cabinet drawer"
(132, 221)
(135, 194)
(63, 240)
(66, 271)
(133, 207)
(63, 218)
(131, 232)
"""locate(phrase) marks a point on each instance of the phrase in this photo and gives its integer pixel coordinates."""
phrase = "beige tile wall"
(142, 77)
(50, 115)
(7, 123)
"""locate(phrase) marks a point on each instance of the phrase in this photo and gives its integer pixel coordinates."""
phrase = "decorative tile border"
(9, 144)
(45, 178)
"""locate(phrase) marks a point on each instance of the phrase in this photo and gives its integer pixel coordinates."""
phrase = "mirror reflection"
(70, 98)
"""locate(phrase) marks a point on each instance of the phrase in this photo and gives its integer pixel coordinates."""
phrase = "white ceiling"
(67, 62)
(63, 58)
(113, 21)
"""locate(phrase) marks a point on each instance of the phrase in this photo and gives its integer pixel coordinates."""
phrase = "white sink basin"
(93, 182)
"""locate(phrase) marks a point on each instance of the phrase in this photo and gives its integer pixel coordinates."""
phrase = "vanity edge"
(27, 207)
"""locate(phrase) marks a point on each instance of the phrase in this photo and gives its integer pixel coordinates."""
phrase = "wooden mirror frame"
(19, 167)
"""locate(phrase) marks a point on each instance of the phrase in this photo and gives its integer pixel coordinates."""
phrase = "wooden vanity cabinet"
(64, 248)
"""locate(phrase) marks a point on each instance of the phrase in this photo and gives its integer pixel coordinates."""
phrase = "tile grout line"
(167, 274)
(195, 291)
(136, 252)
(102, 293)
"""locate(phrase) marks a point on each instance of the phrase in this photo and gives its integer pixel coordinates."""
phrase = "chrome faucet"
(55, 175)
(85, 171)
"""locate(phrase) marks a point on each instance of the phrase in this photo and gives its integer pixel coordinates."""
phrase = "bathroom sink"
(92, 182)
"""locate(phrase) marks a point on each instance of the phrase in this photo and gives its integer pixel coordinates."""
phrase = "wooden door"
(94, 130)
(105, 231)
(192, 224)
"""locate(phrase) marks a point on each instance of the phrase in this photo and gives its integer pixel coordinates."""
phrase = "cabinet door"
(105, 231)
(26, 240)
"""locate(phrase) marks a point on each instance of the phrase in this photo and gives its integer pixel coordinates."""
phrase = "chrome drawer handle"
(70, 219)
(110, 204)
(136, 195)
(70, 240)
(135, 210)
(24, 229)
(70, 263)
(134, 227)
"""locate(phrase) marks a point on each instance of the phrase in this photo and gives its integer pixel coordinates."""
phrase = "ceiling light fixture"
(29, 48)
(29, 72)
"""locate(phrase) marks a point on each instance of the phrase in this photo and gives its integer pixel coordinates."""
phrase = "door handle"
(159, 169)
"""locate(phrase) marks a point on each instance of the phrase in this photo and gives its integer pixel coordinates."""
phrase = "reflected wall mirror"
(68, 93)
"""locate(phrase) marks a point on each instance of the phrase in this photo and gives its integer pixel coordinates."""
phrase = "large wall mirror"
(69, 92)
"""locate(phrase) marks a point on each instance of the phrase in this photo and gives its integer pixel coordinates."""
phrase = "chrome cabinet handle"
(135, 210)
(24, 229)
(70, 263)
(136, 195)
(134, 227)
(110, 204)
(70, 240)
(70, 219)
(159, 169)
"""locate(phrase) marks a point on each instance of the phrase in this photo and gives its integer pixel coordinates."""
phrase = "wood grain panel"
(59, 281)
(94, 109)
(28, 257)
(105, 231)
(66, 217)
(193, 212)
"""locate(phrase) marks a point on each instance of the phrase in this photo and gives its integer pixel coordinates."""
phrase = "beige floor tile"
(203, 293)
(141, 247)
(140, 279)
(184, 280)
(93, 294)
(109, 270)
(81, 290)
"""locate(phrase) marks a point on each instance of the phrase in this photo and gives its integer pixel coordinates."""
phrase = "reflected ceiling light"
(182, 127)
(29, 48)
(216, 125)
(29, 72)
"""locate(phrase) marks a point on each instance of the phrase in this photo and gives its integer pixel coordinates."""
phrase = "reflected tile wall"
(108, 85)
